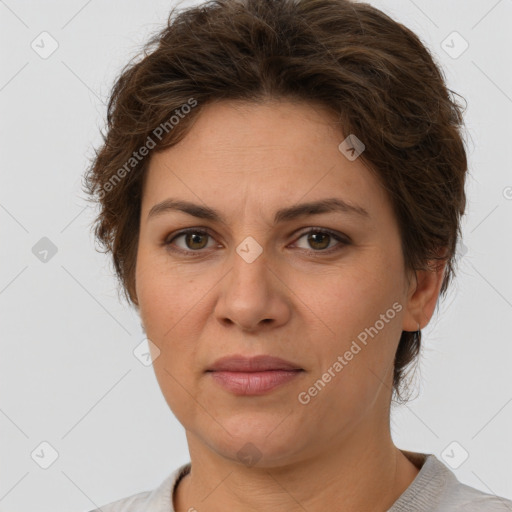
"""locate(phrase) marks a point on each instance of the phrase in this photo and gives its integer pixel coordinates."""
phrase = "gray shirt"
(435, 489)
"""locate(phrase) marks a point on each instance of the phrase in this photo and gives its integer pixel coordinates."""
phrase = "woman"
(281, 186)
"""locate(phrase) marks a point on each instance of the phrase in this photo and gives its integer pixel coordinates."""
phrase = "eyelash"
(343, 241)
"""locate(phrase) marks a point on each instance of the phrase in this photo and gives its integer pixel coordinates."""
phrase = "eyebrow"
(284, 214)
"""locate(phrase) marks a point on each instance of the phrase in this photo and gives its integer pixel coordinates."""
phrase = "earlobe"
(423, 295)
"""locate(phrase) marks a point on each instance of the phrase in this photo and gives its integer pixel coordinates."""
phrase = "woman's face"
(254, 284)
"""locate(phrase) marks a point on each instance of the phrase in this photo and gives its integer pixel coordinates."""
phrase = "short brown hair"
(371, 72)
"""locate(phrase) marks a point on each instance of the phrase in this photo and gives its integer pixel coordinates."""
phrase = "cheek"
(170, 306)
(358, 297)
(366, 320)
(163, 310)
(364, 310)
(164, 293)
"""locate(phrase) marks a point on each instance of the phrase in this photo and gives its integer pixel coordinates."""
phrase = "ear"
(422, 296)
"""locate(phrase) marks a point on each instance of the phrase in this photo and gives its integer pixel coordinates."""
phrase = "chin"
(256, 440)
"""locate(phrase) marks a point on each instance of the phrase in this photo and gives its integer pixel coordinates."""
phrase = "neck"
(355, 474)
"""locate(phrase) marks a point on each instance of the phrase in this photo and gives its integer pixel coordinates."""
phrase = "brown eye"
(194, 240)
(320, 240)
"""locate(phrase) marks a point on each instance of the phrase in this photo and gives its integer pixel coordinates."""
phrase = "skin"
(294, 301)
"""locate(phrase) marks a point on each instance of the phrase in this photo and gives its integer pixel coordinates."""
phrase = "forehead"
(239, 154)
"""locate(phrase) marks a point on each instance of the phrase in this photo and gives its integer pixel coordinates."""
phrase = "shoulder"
(461, 497)
(130, 504)
(156, 500)
(437, 489)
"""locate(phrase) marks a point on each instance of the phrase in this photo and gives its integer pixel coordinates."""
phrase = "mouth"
(262, 363)
(253, 375)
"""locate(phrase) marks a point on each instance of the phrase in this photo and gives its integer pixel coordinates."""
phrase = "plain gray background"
(68, 375)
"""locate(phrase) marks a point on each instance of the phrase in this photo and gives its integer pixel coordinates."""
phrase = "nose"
(253, 296)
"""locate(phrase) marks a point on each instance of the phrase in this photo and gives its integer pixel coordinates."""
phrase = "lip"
(256, 375)
(261, 363)
(253, 383)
